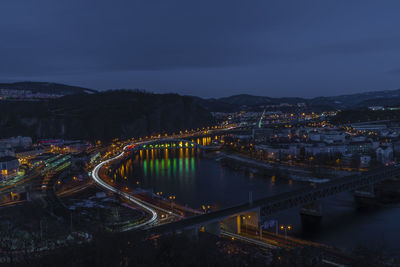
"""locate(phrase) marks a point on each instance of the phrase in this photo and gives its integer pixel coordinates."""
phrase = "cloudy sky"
(206, 48)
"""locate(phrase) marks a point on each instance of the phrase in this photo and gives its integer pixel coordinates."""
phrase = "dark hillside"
(102, 115)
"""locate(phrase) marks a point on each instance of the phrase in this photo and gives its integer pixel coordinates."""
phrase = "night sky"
(205, 48)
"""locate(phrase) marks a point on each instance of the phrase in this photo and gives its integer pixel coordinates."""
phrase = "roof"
(23, 149)
(360, 143)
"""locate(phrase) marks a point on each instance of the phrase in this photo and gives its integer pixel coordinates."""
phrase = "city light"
(250, 114)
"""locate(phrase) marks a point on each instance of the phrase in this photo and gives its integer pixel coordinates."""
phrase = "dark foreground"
(132, 250)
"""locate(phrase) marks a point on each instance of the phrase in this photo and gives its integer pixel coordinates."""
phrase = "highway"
(99, 181)
(141, 203)
(248, 240)
(330, 256)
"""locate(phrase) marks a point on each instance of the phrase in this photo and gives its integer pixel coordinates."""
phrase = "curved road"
(148, 207)
(99, 181)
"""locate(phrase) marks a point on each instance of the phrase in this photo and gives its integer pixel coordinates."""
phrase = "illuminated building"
(8, 166)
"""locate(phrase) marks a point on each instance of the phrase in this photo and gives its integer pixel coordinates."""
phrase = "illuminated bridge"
(255, 212)
(165, 144)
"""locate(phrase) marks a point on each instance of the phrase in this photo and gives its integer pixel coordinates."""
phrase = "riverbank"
(242, 163)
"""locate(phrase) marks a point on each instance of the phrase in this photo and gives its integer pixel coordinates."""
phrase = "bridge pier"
(232, 224)
(15, 196)
(251, 220)
(241, 222)
(28, 196)
(192, 233)
(213, 228)
(311, 214)
(365, 196)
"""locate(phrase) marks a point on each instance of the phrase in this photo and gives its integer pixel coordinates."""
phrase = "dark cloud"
(207, 48)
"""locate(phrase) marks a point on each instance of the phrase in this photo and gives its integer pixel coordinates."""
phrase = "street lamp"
(206, 208)
(171, 198)
(286, 228)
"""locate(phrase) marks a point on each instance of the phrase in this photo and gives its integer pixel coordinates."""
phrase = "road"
(248, 240)
(149, 207)
(100, 182)
(330, 255)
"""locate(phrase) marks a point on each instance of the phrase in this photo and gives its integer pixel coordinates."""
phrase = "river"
(196, 180)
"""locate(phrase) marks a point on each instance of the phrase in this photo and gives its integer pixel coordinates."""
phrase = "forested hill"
(104, 115)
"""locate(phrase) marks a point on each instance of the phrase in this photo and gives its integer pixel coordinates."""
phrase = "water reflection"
(195, 180)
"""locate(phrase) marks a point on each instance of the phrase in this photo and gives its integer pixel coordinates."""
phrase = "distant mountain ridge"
(358, 100)
(362, 99)
(236, 102)
(48, 88)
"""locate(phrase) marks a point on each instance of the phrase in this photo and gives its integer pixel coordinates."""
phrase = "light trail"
(249, 240)
(98, 180)
(147, 206)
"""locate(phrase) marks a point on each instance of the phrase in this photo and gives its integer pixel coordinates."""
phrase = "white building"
(4, 151)
(365, 161)
(322, 148)
(19, 141)
(274, 152)
(384, 154)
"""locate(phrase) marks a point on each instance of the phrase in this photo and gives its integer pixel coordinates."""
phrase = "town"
(199, 133)
(289, 142)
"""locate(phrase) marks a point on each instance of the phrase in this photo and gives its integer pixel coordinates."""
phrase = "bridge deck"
(287, 200)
